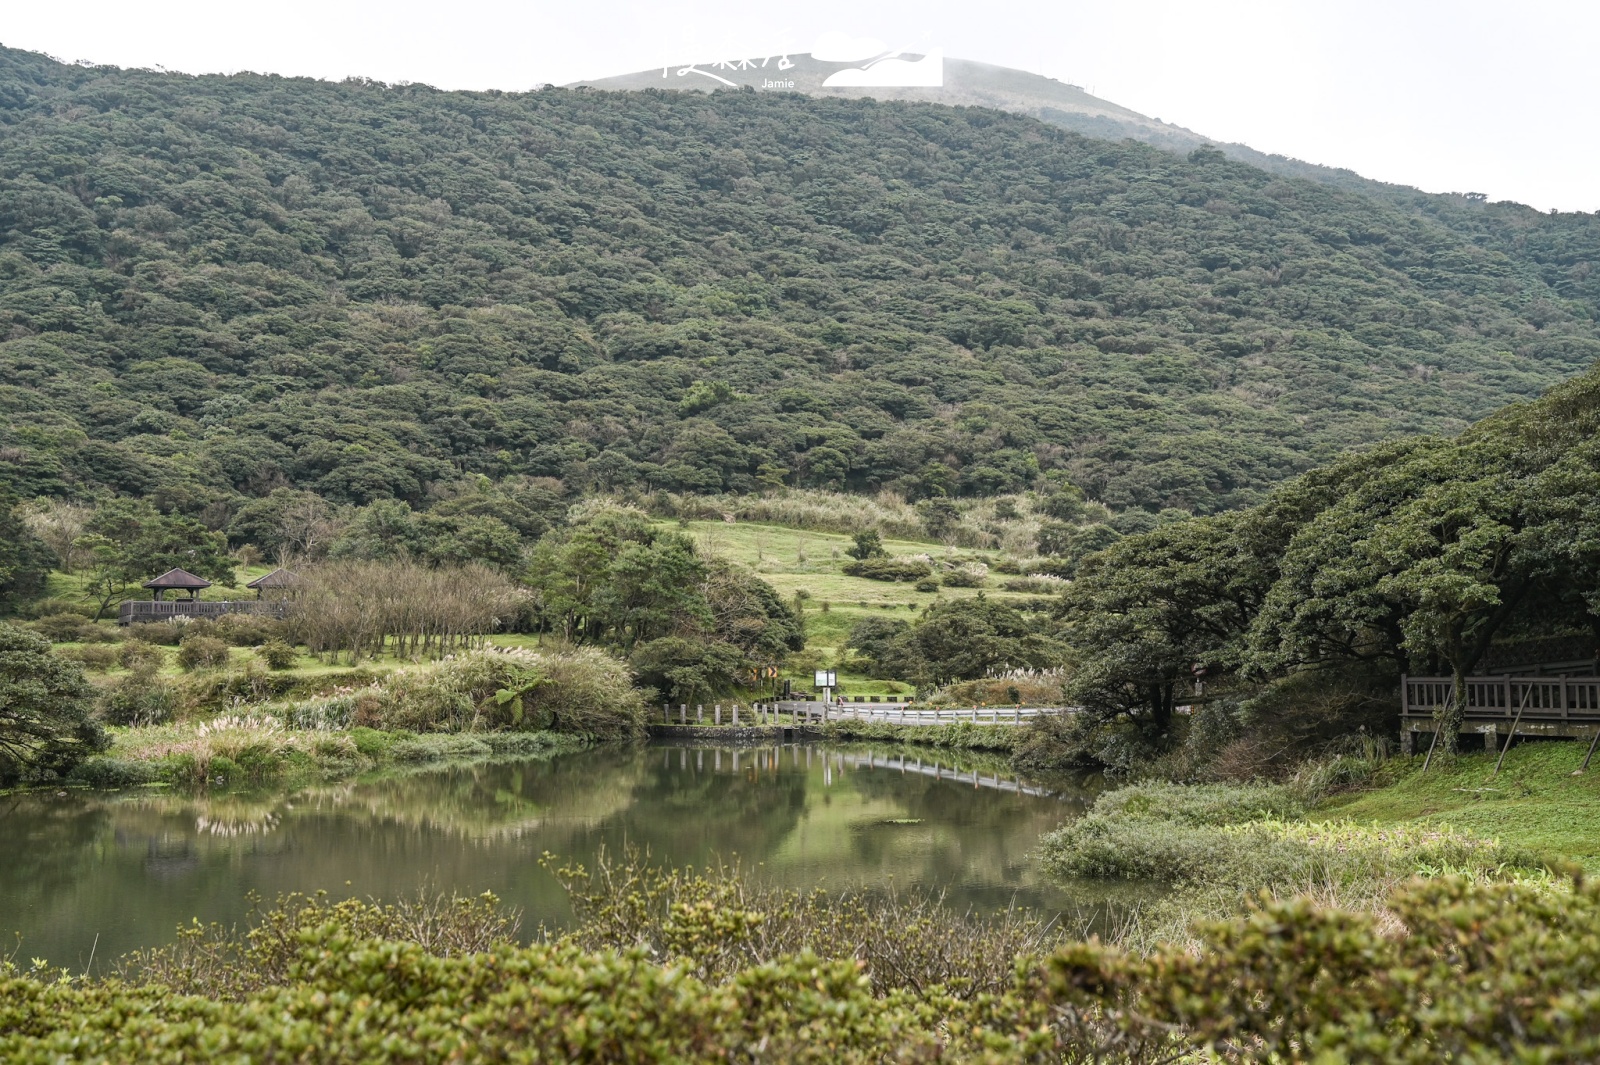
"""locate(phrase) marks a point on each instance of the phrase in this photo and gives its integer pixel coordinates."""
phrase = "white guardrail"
(885, 713)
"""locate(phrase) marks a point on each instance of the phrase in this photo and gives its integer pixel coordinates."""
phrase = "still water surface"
(131, 866)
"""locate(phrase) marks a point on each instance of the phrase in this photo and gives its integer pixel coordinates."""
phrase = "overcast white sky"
(1471, 96)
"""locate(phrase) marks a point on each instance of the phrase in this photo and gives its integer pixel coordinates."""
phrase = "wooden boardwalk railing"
(141, 610)
(1499, 698)
(1504, 706)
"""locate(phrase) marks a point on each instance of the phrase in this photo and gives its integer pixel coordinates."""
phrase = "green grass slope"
(1536, 801)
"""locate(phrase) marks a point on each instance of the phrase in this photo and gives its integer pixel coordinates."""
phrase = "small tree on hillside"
(868, 545)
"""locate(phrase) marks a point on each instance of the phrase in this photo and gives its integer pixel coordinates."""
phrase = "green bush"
(927, 584)
(62, 628)
(1236, 836)
(95, 658)
(277, 654)
(42, 608)
(105, 772)
(963, 577)
(889, 569)
(45, 726)
(248, 630)
(202, 652)
(142, 698)
(164, 633)
(137, 654)
(583, 691)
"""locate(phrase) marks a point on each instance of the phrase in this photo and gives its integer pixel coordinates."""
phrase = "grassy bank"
(1348, 833)
(1535, 803)
(245, 749)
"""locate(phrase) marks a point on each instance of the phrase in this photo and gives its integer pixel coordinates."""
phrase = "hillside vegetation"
(217, 287)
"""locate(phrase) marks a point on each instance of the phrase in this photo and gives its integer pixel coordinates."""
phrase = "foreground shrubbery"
(672, 966)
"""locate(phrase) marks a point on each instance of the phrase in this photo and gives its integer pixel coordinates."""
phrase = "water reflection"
(131, 866)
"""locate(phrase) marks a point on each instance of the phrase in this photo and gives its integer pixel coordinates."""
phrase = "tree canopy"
(1419, 554)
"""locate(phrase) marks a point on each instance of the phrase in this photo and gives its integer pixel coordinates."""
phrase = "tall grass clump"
(580, 690)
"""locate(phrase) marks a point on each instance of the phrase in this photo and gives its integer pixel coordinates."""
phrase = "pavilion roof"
(278, 578)
(178, 578)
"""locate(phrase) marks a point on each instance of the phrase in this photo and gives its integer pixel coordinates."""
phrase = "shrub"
(62, 628)
(202, 652)
(104, 772)
(277, 654)
(967, 576)
(140, 699)
(889, 569)
(96, 658)
(1038, 584)
(42, 608)
(137, 654)
(1234, 836)
(927, 584)
(248, 630)
(583, 691)
(164, 633)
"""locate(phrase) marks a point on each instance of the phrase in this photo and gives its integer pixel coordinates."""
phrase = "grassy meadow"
(810, 563)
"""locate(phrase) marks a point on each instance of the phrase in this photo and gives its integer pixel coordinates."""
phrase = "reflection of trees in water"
(495, 799)
(693, 805)
(48, 844)
(133, 866)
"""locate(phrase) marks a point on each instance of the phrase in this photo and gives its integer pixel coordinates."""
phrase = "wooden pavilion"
(280, 582)
(177, 580)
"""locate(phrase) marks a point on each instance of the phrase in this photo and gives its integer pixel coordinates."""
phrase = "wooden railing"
(1501, 698)
(143, 610)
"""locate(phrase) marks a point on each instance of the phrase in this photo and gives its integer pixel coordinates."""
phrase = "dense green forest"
(217, 287)
(1416, 557)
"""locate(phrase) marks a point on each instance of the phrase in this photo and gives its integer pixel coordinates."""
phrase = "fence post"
(665, 711)
(683, 713)
(717, 711)
(699, 713)
(735, 715)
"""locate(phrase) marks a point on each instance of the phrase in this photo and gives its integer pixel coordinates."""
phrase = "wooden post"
(1514, 723)
(717, 720)
(699, 713)
(683, 714)
(665, 711)
(1585, 766)
(735, 715)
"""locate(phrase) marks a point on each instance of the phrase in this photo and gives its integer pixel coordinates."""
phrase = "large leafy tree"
(45, 725)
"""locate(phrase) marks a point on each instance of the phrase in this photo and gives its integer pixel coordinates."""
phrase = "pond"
(109, 872)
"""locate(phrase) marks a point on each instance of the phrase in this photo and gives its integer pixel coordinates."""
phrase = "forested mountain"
(1559, 244)
(212, 287)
